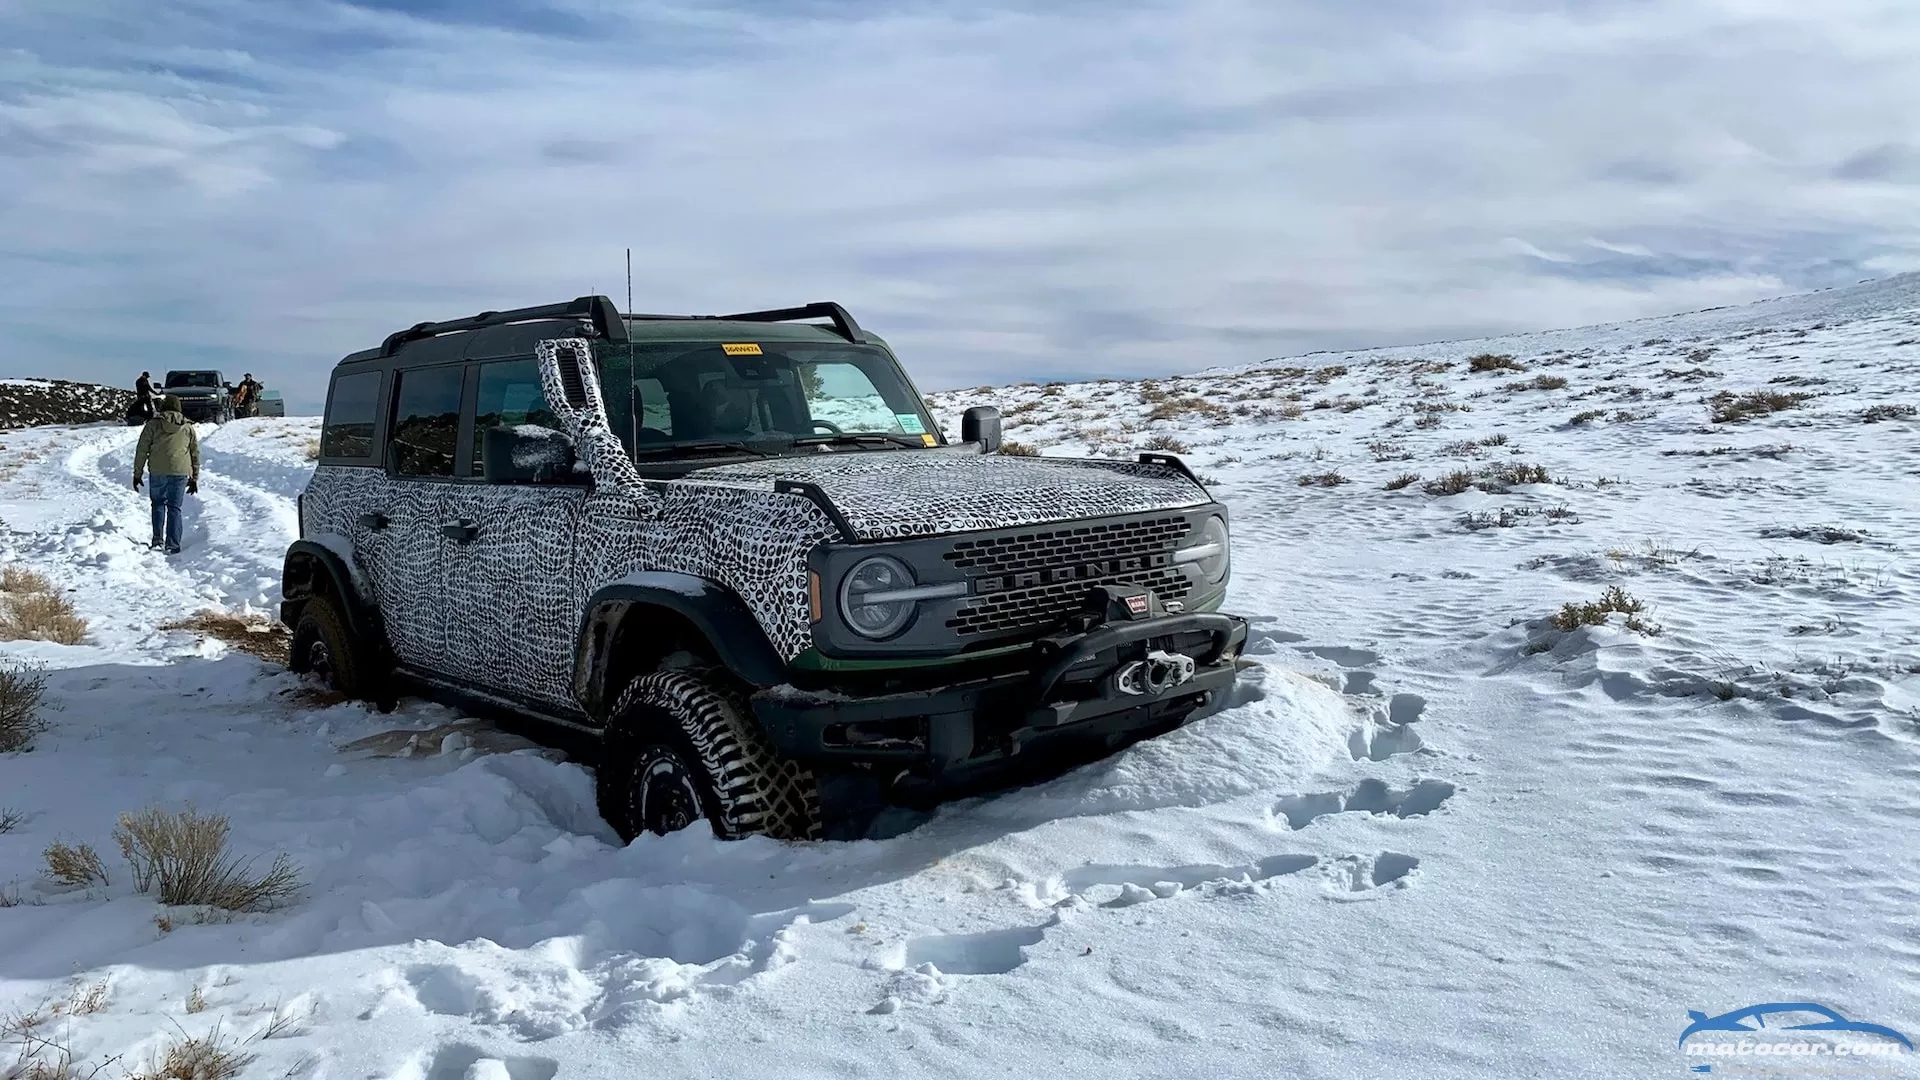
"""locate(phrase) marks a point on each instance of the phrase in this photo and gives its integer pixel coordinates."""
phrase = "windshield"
(192, 379)
(773, 396)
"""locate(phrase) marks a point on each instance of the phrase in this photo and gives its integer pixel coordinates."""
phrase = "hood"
(890, 494)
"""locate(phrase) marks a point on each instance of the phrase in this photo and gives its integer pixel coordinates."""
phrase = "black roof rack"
(826, 309)
(605, 317)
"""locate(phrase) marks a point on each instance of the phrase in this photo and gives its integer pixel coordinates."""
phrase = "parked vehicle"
(739, 555)
(270, 404)
(204, 395)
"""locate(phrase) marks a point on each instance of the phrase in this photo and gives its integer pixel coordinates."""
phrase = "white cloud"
(1096, 189)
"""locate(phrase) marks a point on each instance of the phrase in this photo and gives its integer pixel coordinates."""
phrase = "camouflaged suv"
(738, 558)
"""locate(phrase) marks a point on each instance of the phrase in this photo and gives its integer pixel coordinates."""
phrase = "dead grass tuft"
(1573, 616)
(1166, 443)
(1403, 480)
(203, 1057)
(184, 857)
(21, 691)
(1452, 483)
(255, 635)
(1494, 362)
(1727, 407)
(75, 864)
(1876, 413)
(33, 609)
(312, 450)
(1017, 449)
(1325, 479)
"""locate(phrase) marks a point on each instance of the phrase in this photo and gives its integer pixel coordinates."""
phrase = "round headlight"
(877, 575)
(1209, 548)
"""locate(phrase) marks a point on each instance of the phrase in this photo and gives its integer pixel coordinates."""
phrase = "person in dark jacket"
(171, 447)
(143, 395)
(246, 395)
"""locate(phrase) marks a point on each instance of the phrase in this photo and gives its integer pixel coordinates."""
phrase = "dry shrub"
(1727, 407)
(1588, 415)
(11, 819)
(312, 450)
(1493, 362)
(75, 864)
(204, 1057)
(21, 690)
(1017, 449)
(1594, 613)
(32, 609)
(1452, 483)
(1515, 473)
(256, 636)
(1172, 407)
(1875, 413)
(1403, 480)
(1166, 443)
(184, 856)
(1325, 479)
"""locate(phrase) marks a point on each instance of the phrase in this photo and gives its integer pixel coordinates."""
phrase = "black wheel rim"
(665, 799)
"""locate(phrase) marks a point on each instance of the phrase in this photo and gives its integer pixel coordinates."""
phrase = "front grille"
(1033, 579)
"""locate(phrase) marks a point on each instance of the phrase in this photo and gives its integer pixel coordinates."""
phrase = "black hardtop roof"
(513, 333)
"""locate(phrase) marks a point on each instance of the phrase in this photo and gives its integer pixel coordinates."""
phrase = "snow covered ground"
(1435, 837)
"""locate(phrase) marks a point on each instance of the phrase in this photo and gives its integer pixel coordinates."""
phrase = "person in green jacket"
(169, 444)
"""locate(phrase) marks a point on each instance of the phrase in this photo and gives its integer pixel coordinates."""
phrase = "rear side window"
(510, 396)
(426, 420)
(347, 431)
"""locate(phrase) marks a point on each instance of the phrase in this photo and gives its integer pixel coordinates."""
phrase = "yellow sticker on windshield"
(927, 438)
(742, 350)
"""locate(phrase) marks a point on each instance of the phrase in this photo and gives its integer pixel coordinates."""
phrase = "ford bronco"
(737, 556)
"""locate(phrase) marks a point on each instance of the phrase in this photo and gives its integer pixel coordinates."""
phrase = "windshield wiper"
(861, 438)
(675, 449)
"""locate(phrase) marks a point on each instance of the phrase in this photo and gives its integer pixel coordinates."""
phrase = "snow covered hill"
(30, 402)
(1441, 833)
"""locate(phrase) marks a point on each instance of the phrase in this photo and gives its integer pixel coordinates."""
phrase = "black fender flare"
(297, 581)
(714, 611)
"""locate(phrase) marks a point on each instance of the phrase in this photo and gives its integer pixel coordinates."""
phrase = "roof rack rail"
(605, 317)
(842, 322)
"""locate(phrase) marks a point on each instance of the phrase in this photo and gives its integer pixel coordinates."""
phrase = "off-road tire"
(695, 721)
(323, 644)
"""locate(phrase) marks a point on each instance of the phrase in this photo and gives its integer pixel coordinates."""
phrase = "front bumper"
(201, 409)
(1065, 695)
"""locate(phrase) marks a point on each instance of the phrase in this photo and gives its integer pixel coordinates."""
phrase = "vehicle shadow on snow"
(464, 846)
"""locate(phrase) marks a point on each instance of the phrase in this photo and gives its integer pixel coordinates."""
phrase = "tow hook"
(1158, 673)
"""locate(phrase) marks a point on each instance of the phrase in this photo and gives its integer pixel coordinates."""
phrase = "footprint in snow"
(1352, 875)
(1370, 796)
(459, 1061)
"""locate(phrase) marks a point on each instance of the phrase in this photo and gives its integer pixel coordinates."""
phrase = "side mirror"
(528, 455)
(981, 424)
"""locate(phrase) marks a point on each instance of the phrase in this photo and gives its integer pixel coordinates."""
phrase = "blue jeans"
(167, 493)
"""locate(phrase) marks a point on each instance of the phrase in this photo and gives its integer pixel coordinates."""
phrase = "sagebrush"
(33, 609)
(183, 858)
(22, 689)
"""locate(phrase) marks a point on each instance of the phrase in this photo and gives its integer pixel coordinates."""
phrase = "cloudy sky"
(1067, 188)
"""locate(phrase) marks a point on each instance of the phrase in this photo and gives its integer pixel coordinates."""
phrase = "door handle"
(373, 522)
(460, 532)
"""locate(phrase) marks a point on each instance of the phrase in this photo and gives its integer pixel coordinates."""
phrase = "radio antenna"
(629, 281)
